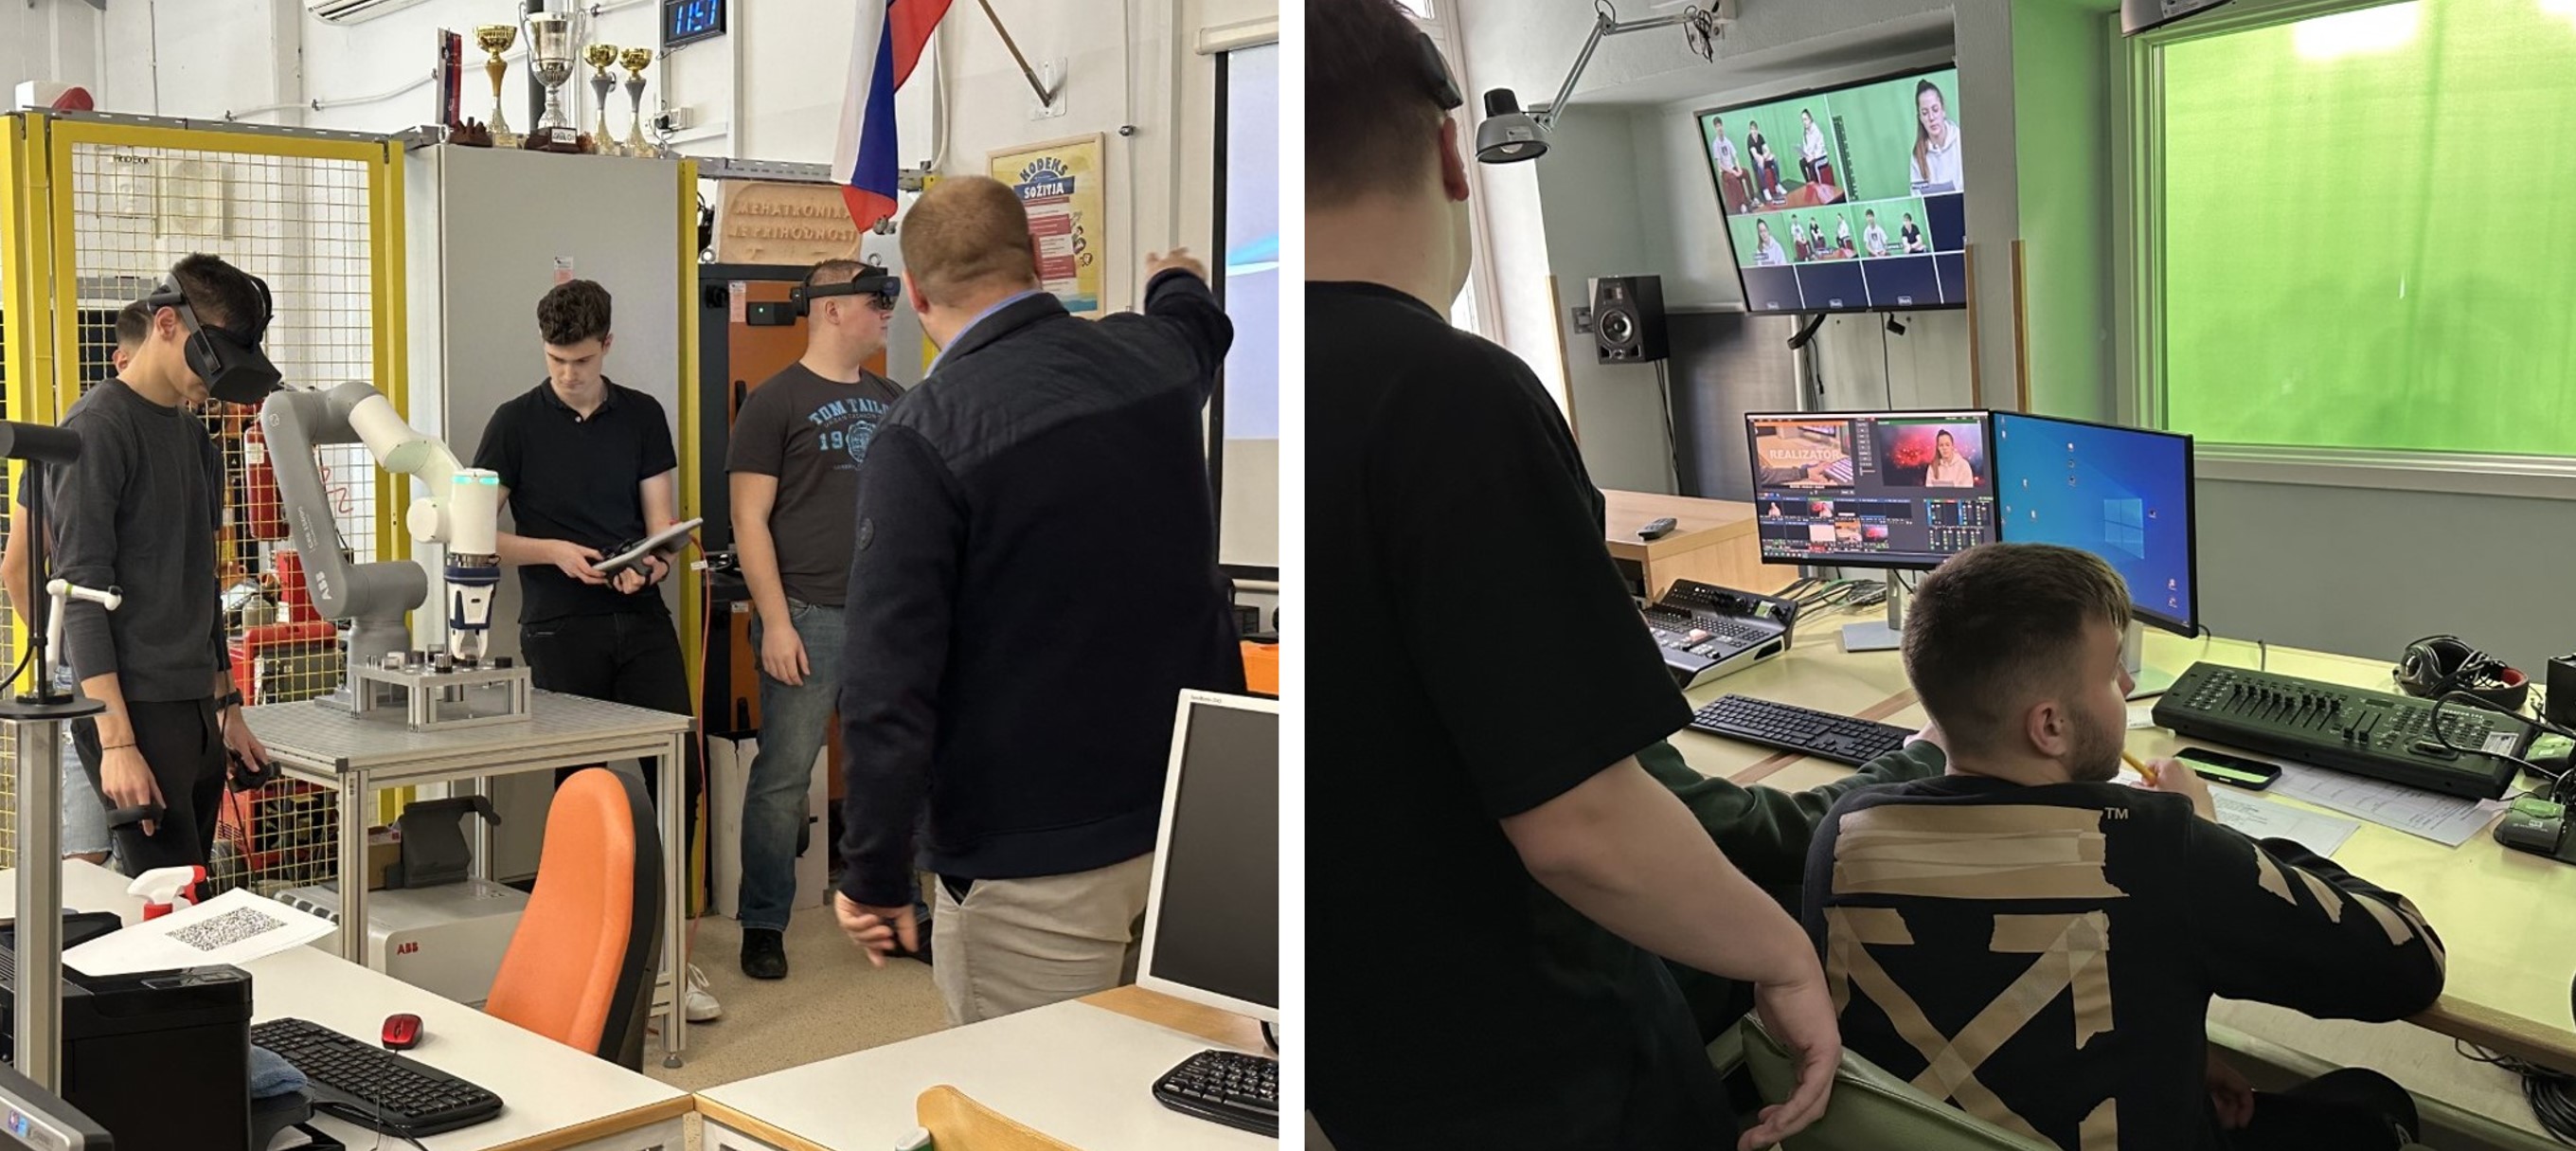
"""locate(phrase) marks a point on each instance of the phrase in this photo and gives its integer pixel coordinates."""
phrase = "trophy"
(496, 39)
(599, 57)
(550, 57)
(636, 61)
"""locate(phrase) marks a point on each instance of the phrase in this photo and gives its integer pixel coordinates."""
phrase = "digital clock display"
(688, 21)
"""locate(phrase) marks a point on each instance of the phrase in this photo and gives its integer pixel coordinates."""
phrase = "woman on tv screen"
(1949, 469)
(1766, 165)
(1767, 251)
(1936, 142)
(1912, 236)
(1811, 151)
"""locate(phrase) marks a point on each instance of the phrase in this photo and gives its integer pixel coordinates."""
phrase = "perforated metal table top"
(313, 735)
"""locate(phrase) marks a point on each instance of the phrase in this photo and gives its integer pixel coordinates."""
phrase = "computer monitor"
(34, 1119)
(2124, 494)
(1212, 917)
(1871, 489)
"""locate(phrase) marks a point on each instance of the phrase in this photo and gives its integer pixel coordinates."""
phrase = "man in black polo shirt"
(1481, 687)
(587, 466)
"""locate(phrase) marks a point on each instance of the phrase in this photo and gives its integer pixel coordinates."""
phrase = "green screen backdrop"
(2366, 230)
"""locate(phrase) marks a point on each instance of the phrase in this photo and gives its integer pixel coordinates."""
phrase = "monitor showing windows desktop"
(2124, 494)
(1212, 913)
(1871, 489)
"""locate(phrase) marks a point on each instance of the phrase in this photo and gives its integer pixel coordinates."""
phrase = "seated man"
(2038, 945)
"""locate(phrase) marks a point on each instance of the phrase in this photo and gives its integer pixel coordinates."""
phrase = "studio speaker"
(1628, 319)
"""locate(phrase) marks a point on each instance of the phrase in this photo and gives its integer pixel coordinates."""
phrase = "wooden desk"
(554, 1098)
(1082, 1072)
(1712, 541)
(2509, 964)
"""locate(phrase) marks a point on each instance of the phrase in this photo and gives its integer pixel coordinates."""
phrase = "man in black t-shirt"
(587, 468)
(794, 455)
(1513, 1001)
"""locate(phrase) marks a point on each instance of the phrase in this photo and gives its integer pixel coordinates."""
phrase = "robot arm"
(460, 510)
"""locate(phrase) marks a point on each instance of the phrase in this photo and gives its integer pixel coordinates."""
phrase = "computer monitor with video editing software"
(34, 1119)
(1871, 489)
(2124, 494)
(1212, 918)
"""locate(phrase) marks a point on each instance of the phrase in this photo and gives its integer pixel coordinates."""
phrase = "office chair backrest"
(580, 967)
(1871, 1109)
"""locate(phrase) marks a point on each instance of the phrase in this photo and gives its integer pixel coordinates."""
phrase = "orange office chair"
(580, 967)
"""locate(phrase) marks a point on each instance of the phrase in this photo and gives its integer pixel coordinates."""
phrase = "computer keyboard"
(372, 1087)
(1822, 734)
(2370, 733)
(1226, 1087)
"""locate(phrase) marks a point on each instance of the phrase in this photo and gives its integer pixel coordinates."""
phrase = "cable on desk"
(2552, 1094)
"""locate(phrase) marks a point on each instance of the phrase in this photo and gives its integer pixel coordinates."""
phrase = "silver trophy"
(551, 58)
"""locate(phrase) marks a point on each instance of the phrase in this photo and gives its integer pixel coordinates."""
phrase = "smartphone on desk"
(2233, 770)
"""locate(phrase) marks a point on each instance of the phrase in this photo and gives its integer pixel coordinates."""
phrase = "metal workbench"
(354, 756)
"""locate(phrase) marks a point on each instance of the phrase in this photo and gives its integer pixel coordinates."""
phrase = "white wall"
(49, 40)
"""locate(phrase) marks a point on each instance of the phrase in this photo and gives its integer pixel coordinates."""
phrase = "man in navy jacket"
(1034, 584)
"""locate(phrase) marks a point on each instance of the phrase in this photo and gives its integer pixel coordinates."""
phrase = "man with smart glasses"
(139, 511)
(794, 457)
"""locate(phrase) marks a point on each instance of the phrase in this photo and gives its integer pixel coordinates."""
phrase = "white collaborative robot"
(459, 510)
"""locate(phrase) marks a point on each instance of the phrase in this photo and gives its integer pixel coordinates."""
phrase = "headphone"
(227, 358)
(2437, 665)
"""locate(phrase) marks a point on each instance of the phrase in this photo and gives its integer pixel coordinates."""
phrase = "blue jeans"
(792, 725)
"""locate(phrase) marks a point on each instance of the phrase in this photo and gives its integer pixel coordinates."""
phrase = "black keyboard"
(372, 1087)
(2370, 733)
(1226, 1087)
(1822, 734)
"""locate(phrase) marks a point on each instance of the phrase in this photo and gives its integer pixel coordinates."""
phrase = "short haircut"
(1372, 114)
(833, 272)
(1997, 626)
(133, 326)
(572, 312)
(966, 233)
(219, 293)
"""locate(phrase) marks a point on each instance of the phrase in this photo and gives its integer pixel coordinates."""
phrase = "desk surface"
(332, 739)
(1081, 1071)
(2508, 967)
(552, 1095)
(1698, 523)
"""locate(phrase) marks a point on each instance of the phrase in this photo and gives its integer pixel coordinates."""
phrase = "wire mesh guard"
(304, 226)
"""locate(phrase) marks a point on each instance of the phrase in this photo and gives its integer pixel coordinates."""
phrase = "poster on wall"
(1060, 182)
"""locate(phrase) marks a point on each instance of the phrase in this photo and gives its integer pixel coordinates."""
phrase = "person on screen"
(1811, 151)
(1949, 469)
(1872, 237)
(1912, 236)
(1798, 236)
(1843, 236)
(1936, 142)
(1733, 182)
(1767, 253)
(1766, 164)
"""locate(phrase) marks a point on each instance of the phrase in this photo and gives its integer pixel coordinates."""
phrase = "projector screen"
(1246, 419)
(1845, 200)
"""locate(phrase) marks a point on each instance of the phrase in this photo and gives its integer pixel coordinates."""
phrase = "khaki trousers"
(1014, 944)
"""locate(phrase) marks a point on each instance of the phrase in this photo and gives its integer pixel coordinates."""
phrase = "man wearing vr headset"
(794, 455)
(139, 512)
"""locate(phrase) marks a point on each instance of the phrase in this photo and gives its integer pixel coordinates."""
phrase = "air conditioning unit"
(354, 11)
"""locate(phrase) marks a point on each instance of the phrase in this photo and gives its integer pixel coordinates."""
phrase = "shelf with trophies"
(552, 56)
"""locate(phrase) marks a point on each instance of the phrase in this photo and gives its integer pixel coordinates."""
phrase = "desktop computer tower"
(161, 1059)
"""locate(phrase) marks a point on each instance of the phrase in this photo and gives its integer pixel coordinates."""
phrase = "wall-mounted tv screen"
(1847, 199)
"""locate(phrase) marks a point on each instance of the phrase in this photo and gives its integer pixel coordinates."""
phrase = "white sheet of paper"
(2445, 819)
(2323, 834)
(235, 927)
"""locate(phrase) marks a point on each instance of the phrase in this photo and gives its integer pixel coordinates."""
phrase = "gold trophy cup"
(496, 39)
(599, 57)
(636, 60)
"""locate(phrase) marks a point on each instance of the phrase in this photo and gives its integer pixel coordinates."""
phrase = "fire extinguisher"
(264, 512)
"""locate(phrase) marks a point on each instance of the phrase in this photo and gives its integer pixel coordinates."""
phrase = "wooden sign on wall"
(758, 222)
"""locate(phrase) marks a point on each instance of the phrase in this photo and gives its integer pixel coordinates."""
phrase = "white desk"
(554, 1098)
(1082, 1072)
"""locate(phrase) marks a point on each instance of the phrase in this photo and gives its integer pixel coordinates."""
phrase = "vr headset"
(227, 358)
(871, 281)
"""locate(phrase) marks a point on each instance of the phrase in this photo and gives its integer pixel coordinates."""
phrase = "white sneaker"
(701, 1005)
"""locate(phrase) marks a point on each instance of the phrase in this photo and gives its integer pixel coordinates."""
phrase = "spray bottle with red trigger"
(167, 889)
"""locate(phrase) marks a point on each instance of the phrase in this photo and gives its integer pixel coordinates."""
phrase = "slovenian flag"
(885, 45)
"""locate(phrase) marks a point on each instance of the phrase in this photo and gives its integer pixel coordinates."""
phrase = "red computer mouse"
(402, 1032)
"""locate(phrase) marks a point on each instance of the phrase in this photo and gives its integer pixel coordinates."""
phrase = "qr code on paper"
(226, 929)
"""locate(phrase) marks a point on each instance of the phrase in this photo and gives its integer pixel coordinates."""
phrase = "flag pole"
(1044, 97)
